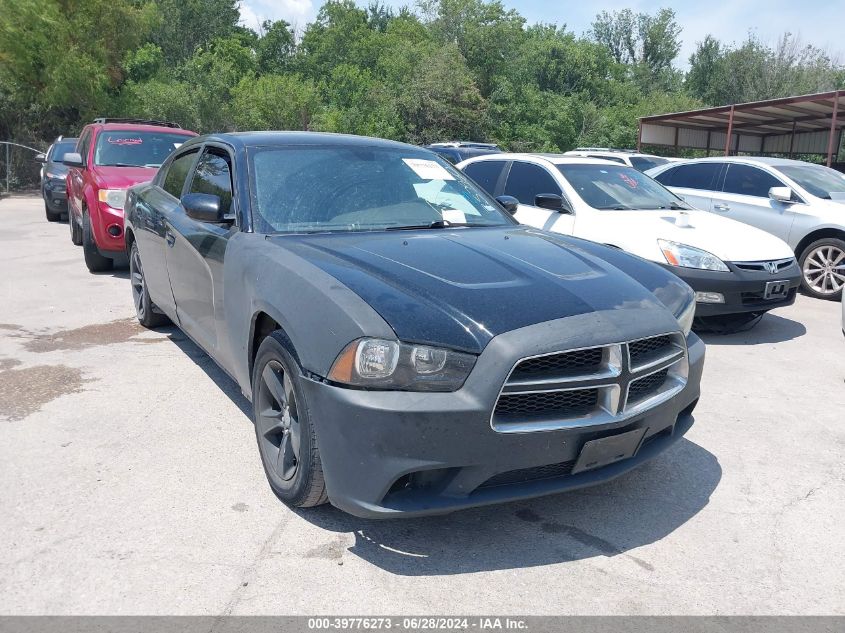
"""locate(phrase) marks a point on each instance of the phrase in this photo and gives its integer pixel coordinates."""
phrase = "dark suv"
(111, 156)
(54, 177)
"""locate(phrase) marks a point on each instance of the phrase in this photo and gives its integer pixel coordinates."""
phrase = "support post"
(8, 168)
(730, 132)
(832, 128)
(792, 139)
(677, 130)
(640, 136)
(708, 143)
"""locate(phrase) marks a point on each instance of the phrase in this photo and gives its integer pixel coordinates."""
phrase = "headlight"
(53, 176)
(115, 198)
(383, 364)
(686, 316)
(689, 257)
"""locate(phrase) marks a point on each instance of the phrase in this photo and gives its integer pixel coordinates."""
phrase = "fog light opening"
(114, 230)
(709, 297)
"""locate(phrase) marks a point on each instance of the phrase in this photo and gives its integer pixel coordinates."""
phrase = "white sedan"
(735, 269)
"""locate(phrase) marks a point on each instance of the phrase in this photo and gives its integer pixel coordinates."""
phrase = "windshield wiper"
(437, 224)
(618, 207)
(118, 165)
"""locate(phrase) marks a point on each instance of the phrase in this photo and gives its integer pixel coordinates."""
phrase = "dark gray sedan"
(408, 348)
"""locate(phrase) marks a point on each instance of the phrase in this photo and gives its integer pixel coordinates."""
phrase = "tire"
(51, 217)
(96, 263)
(145, 309)
(287, 442)
(75, 231)
(823, 268)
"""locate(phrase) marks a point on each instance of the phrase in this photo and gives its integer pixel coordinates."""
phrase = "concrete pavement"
(131, 482)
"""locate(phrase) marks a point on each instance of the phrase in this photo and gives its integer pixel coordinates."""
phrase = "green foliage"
(448, 69)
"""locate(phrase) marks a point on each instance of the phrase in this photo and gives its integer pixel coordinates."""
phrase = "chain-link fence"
(18, 167)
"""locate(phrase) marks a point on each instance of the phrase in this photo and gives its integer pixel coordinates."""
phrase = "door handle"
(722, 207)
(170, 238)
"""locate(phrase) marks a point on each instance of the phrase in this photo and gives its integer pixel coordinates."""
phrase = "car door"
(525, 181)
(75, 176)
(152, 206)
(694, 182)
(745, 197)
(195, 250)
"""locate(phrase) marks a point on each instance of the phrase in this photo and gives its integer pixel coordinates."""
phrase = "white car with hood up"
(738, 272)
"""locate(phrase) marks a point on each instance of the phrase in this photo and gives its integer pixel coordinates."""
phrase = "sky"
(816, 22)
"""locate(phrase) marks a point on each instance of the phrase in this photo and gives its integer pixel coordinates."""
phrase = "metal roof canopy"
(810, 124)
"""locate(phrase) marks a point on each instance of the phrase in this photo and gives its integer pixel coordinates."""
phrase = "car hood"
(123, 177)
(638, 231)
(461, 287)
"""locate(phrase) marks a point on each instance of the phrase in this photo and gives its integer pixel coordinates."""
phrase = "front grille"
(571, 404)
(767, 266)
(590, 386)
(649, 349)
(643, 388)
(580, 361)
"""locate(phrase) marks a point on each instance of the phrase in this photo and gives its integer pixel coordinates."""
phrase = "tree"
(276, 47)
(182, 26)
(275, 102)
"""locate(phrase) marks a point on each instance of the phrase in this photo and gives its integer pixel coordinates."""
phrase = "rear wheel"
(51, 217)
(96, 263)
(287, 442)
(823, 268)
(145, 309)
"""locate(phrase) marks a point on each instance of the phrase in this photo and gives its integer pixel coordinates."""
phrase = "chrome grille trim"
(613, 382)
(763, 266)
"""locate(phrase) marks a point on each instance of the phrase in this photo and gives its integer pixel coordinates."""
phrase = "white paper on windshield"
(454, 216)
(428, 169)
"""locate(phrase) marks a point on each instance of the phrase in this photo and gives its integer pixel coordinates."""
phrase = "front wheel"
(145, 309)
(96, 263)
(823, 268)
(287, 442)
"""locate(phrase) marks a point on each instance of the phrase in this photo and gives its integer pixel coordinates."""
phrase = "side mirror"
(73, 159)
(203, 207)
(509, 203)
(552, 202)
(40, 158)
(781, 194)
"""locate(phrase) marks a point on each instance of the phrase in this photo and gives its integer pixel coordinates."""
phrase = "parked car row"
(417, 337)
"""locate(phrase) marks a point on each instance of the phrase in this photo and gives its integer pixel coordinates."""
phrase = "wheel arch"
(129, 238)
(263, 325)
(818, 234)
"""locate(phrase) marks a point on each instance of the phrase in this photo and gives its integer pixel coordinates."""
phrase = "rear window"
(644, 164)
(129, 148)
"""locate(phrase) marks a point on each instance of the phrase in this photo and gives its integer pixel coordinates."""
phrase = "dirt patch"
(10, 326)
(120, 331)
(8, 363)
(25, 391)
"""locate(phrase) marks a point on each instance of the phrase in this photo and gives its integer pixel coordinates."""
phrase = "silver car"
(801, 203)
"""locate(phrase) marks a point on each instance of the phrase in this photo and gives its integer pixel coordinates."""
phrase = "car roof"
(280, 139)
(140, 127)
(555, 159)
(749, 160)
(612, 152)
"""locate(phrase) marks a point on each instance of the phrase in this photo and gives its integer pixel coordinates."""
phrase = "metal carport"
(810, 124)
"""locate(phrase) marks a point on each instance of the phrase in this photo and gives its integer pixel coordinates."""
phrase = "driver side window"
(177, 172)
(526, 181)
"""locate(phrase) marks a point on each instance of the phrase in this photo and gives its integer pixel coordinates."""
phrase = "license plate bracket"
(608, 450)
(776, 290)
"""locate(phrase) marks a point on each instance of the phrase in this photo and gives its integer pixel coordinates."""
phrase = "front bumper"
(109, 219)
(388, 454)
(743, 290)
(54, 193)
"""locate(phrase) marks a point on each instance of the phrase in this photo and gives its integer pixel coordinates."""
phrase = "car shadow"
(612, 519)
(202, 360)
(771, 329)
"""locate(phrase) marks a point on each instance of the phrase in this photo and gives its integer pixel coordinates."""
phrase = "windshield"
(817, 180)
(61, 148)
(643, 163)
(131, 148)
(307, 189)
(610, 187)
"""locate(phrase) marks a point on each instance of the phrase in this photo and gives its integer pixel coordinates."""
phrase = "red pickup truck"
(111, 156)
